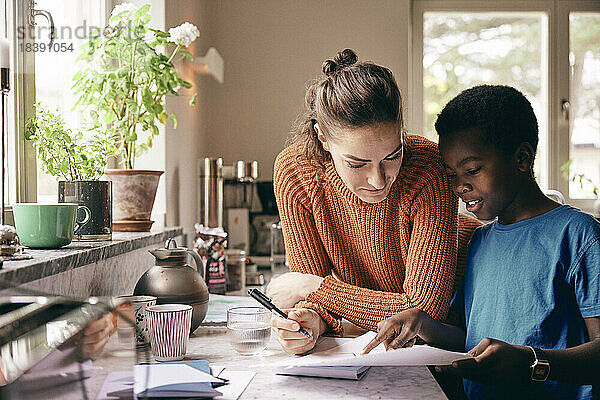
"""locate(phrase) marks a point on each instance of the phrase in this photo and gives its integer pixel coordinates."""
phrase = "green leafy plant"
(576, 177)
(66, 154)
(129, 74)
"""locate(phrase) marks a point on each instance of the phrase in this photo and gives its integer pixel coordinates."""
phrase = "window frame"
(24, 97)
(23, 163)
(557, 61)
(562, 144)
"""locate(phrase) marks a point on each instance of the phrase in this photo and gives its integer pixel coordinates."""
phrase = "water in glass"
(248, 329)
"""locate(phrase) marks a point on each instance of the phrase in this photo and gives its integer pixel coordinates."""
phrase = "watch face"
(540, 371)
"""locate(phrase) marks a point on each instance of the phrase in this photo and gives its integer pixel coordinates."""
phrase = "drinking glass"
(248, 329)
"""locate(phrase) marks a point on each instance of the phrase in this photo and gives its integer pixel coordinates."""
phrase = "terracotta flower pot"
(134, 191)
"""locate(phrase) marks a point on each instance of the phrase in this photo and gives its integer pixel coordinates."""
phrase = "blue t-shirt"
(532, 283)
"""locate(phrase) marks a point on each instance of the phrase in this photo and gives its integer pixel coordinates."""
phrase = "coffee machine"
(250, 209)
(239, 191)
(232, 197)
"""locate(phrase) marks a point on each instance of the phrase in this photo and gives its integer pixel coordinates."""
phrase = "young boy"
(530, 301)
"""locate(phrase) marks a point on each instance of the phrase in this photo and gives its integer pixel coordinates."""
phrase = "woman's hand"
(290, 288)
(94, 337)
(292, 341)
(493, 362)
(399, 330)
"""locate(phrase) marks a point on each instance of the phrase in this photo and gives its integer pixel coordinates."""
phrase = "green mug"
(47, 226)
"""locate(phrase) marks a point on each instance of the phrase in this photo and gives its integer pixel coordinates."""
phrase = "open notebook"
(354, 373)
(348, 354)
(340, 372)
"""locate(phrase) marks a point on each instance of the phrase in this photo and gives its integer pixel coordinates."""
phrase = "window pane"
(584, 96)
(54, 69)
(9, 139)
(461, 50)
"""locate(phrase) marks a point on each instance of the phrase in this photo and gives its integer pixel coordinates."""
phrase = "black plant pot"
(97, 196)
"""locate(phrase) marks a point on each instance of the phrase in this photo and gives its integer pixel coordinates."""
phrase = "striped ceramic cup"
(169, 329)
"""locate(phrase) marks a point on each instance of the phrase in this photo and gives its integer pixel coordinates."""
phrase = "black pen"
(268, 304)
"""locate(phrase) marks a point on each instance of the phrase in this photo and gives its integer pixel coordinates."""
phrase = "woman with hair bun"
(370, 223)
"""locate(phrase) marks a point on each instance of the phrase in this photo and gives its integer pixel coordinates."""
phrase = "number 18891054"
(43, 47)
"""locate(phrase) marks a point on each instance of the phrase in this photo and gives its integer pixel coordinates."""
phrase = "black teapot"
(172, 280)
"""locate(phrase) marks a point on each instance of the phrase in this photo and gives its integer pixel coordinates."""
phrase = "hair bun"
(343, 59)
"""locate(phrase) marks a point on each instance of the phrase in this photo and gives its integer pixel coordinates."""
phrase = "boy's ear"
(525, 156)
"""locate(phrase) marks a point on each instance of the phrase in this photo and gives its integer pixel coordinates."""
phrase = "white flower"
(160, 49)
(126, 8)
(184, 34)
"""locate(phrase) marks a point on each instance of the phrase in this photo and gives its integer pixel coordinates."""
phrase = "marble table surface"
(211, 343)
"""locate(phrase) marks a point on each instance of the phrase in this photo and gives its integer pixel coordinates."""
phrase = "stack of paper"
(350, 354)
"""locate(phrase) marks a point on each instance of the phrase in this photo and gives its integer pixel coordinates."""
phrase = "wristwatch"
(540, 369)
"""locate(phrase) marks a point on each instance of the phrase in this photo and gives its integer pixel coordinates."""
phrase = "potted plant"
(79, 160)
(123, 89)
(568, 174)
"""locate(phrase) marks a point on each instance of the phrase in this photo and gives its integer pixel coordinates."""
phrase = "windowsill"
(51, 262)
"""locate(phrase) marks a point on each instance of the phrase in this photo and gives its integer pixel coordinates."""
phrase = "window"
(55, 66)
(548, 49)
(584, 103)
(41, 73)
(44, 74)
(461, 50)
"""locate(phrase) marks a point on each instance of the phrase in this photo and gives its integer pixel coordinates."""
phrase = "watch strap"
(539, 354)
(540, 369)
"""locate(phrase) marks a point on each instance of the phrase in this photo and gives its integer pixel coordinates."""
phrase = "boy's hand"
(493, 362)
(94, 337)
(399, 330)
(292, 341)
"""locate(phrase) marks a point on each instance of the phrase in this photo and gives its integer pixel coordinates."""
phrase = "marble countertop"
(50, 262)
(210, 343)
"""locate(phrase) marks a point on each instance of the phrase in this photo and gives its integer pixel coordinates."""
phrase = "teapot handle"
(197, 261)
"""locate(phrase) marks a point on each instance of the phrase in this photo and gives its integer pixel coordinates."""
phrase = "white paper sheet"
(238, 382)
(150, 376)
(348, 354)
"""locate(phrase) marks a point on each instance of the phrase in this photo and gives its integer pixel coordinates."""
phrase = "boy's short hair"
(502, 115)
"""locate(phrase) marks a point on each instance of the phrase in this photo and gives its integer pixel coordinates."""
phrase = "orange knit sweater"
(387, 257)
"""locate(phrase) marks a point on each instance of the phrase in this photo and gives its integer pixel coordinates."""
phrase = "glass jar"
(236, 269)
(279, 264)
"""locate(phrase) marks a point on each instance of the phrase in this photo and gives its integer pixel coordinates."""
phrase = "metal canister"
(210, 171)
(246, 171)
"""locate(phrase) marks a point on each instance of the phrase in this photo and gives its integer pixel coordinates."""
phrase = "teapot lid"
(168, 252)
